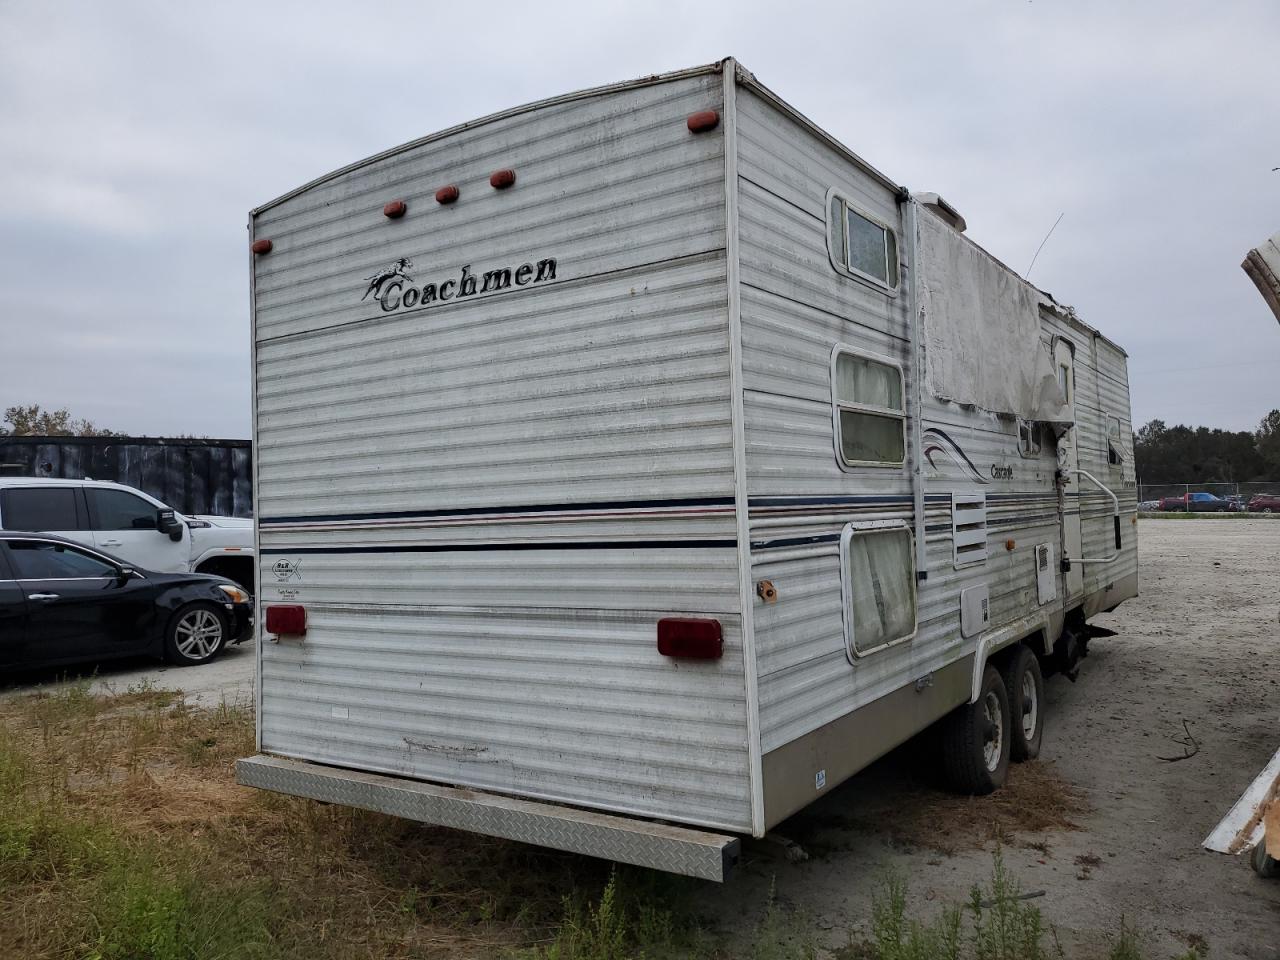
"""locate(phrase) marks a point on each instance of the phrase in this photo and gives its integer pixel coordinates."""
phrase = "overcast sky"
(134, 139)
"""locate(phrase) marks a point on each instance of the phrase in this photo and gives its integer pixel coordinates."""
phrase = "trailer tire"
(1264, 865)
(975, 739)
(1024, 684)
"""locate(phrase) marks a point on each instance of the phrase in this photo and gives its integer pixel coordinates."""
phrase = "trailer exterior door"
(1069, 462)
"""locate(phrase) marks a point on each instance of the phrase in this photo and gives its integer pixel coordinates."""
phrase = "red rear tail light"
(260, 246)
(692, 638)
(287, 619)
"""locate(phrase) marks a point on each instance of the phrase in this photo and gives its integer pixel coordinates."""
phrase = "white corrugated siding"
(486, 504)
(795, 309)
(1102, 392)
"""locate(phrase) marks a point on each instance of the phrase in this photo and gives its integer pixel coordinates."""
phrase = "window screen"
(46, 509)
(862, 245)
(1115, 442)
(117, 510)
(34, 560)
(880, 588)
(870, 422)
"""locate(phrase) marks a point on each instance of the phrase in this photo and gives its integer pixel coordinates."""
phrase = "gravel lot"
(229, 678)
(1199, 645)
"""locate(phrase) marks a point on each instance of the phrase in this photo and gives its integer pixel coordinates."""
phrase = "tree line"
(1182, 454)
(31, 420)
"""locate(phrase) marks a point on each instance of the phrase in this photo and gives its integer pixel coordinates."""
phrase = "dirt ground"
(1200, 645)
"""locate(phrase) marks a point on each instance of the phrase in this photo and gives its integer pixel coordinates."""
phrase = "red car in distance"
(1264, 503)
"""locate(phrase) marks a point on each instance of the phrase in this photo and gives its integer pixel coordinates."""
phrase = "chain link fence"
(1234, 497)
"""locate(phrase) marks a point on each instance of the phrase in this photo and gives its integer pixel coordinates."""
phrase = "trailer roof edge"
(588, 93)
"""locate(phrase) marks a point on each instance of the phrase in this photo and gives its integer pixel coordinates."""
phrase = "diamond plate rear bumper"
(694, 853)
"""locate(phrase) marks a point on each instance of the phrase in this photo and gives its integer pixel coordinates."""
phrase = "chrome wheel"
(198, 634)
(993, 736)
(1030, 706)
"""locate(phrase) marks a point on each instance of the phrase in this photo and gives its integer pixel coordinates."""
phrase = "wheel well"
(239, 569)
(1035, 642)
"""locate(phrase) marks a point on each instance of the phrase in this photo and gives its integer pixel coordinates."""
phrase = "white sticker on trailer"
(819, 779)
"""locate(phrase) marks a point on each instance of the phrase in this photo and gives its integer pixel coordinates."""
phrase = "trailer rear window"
(870, 423)
(878, 569)
(861, 245)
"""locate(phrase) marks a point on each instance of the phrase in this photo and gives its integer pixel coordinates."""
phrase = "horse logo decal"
(938, 442)
(380, 279)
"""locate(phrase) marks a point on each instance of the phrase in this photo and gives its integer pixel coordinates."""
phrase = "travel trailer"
(635, 466)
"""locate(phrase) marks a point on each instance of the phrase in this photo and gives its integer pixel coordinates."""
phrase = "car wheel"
(975, 739)
(1266, 509)
(196, 634)
(1024, 684)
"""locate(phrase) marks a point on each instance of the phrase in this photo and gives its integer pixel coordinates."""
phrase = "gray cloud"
(135, 137)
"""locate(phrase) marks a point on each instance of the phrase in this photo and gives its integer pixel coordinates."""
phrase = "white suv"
(131, 525)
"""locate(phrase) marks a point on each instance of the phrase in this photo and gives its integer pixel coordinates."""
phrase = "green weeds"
(999, 922)
(639, 916)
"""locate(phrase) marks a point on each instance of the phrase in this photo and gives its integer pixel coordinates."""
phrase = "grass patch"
(81, 877)
(124, 835)
(998, 922)
(641, 915)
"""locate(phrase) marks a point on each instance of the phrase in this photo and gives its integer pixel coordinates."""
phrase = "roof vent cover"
(942, 210)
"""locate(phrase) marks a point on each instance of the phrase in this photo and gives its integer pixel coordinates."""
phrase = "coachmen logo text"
(393, 287)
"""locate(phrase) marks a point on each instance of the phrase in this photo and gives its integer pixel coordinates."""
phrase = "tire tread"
(962, 745)
(1010, 672)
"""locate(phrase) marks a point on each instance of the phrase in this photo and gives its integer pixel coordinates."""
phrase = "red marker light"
(703, 120)
(260, 246)
(690, 638)
(447, 194)
(287, 620)
(395, 210)
(501, 179)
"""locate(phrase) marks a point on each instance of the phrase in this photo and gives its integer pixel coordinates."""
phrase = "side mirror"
(124, 575)
(167, 522)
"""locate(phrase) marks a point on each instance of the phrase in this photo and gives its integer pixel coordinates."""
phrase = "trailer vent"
(969, 528)
(1046, 574)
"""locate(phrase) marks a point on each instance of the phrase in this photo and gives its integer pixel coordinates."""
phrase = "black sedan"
(62, 602)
